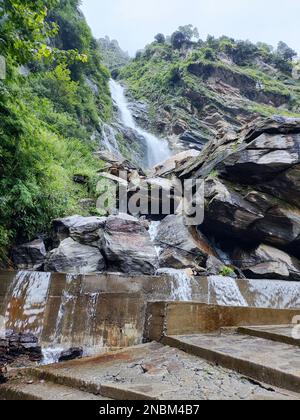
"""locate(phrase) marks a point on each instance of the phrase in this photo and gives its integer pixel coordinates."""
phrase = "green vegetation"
(113, 56)
(49, 110)
(192, 79)
(227, 271)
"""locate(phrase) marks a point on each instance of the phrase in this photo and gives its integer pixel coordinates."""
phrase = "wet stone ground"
(164, 373)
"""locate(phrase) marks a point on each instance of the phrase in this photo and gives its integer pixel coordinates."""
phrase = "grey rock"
(85, 230)
(170, 165)
(128, 247)
(252, 184)
(61, 227)
(171, 258)
(88, 230)
(29, 256)
(214, 266)
(73, 257)
(267, 262)
(186, 241)
(71, 354)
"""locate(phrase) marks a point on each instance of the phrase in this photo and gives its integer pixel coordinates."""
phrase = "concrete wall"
(108, 311)
(182, 318)
(94, 311)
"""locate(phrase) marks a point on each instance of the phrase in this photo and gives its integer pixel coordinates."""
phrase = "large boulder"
(29, 256)
(184, 246)
(168, 166)
(253, 184)
(86, 230)
(268, 263)
(74, 257)
(250, 216)
(128, 247)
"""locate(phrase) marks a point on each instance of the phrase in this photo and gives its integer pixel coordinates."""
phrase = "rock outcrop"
(252, 188)
(252, 211)
(128, 247)
(95, 244)
(19, 345)
(268, 263)
(29, 256)
(74, 257)
(183, 246)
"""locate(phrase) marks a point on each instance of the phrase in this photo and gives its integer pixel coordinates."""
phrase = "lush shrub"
(48, 117)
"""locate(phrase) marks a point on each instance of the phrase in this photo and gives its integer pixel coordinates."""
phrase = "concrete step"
(278, 333)
(270, 362)
(156, 372)
(29, 389)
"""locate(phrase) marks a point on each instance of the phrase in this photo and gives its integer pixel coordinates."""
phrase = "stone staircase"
(228, 365)
(267, 354)
(195, 352)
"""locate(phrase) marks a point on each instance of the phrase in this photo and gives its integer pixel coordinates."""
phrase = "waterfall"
(109, 141)
(181, 285)
(67, 306)
(27, 302)
(226, 291)
(158, 149)
(153, 231)
(275, 294)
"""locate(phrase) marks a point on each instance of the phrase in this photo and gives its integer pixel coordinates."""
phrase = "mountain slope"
(196, 89)
(113, 56)
(52, 103)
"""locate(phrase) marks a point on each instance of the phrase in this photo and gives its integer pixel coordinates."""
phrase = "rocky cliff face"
(252, 190)
(251, 221)
(196, 92)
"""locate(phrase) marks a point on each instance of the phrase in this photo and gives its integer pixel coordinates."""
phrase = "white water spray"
(181, 286)
(226, 291)
(153, 232)
(28, 298)
(109, 141)
(158, 149)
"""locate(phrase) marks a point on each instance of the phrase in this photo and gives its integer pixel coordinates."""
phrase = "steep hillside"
(53, 101)
(113, 55)
(196, 89)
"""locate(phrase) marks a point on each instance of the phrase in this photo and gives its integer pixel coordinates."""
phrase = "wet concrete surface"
(287, 334)
(157, 372)
(28, 389)
(263, 360)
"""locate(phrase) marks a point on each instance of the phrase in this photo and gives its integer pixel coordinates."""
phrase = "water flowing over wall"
(96, 312)
(100, 312)
(157, 149)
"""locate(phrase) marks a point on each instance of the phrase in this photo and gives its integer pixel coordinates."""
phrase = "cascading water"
(153, 231)
(109, 141)
(281, 294)
(158, 149)
(225, 291)
(67, 304)
(27, 302)
(181, 284)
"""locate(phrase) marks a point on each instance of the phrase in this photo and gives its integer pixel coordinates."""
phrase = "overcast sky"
(135, 22)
